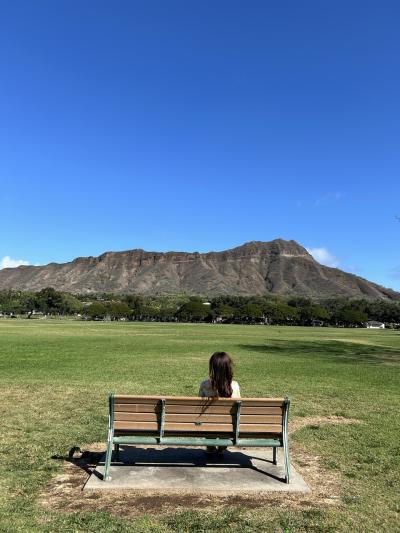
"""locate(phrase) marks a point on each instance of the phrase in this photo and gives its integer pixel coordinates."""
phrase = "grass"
(56, 376)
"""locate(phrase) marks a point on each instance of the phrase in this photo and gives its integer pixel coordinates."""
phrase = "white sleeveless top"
(206, 391)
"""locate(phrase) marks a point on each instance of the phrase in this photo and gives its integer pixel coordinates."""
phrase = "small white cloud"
(323, 256)
(7, 262)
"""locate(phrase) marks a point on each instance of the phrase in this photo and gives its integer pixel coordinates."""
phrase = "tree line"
(185, 308)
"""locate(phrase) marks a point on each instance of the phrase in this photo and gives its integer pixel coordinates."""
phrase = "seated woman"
(219, 384)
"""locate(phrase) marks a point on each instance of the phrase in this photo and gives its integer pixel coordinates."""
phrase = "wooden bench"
(193, 421)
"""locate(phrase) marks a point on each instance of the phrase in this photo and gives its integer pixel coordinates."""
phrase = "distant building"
(373, 324)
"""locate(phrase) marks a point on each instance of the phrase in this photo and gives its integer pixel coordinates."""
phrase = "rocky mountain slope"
(278, 267)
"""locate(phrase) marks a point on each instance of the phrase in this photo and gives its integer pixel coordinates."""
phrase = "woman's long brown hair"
(221, 374)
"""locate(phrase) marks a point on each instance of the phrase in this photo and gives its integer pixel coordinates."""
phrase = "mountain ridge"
(255, 267)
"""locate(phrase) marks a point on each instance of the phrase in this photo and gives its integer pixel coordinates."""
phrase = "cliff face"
(279, 267)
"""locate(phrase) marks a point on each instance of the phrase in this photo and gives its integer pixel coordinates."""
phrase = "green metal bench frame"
(161, 440)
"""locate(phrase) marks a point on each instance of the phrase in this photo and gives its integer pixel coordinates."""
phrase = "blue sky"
(187, 125)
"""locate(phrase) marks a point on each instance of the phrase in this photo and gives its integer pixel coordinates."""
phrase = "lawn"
(56, 376)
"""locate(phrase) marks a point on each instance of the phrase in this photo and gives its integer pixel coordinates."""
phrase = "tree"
(10, 301)
(96, 310)
(70, 305)
(118, 310)
(299, 301)
(194, 311)
(136, 303)
(226, 312)
(351, 317)
(280, 313)
(49, 300)
(28, 302)
(167, 311)
(313, 312)
(251, 312)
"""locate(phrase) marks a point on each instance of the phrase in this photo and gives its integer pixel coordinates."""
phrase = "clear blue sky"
(188, 125)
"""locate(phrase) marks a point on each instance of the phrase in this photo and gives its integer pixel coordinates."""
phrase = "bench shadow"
(346, 352)
(86, 460)
(190, 457)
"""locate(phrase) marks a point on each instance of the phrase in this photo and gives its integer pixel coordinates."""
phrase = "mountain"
(278, 267)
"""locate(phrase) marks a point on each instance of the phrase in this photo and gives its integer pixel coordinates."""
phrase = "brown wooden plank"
(195, 417)
(154, 432)
(222, 428)
(262, 403)
(263, 435)
(128, 398)
(211, 409)
(137, 407)
(226, 401)
(136, 399)
(260, 428)
(203, 402)
(136, 417)
(223, 419)
(220, 409)
(260, 419)
(188, 427)
(223, 409)
(261, 411)
(137, 426)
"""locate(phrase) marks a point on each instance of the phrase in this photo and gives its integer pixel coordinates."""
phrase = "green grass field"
(56, 375)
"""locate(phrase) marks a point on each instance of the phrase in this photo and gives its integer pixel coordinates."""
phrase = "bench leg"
(108, 461)
(116, 449)
(274, 455)
(287, 460)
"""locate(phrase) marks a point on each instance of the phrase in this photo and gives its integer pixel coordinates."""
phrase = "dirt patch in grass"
(300, 422)
(65, 491)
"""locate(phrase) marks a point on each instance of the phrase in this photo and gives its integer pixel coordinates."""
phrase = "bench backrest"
(180, 415)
